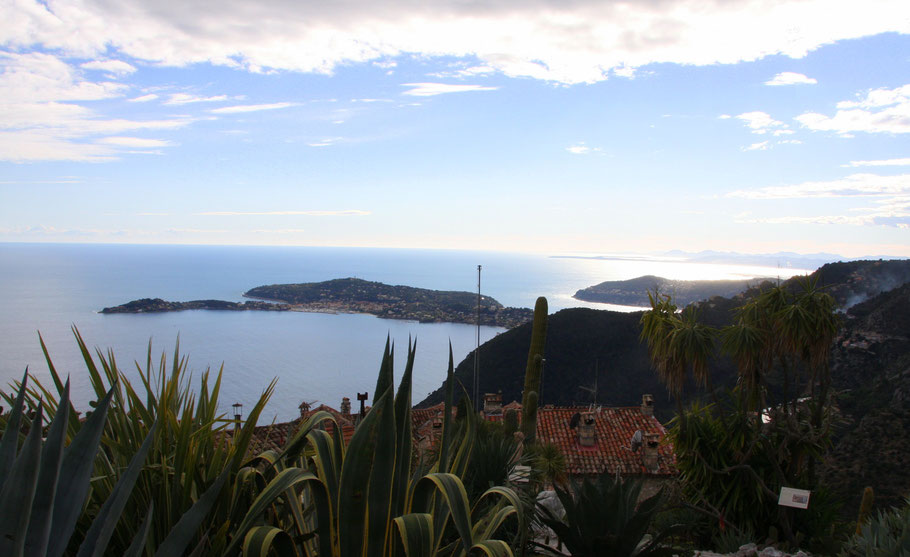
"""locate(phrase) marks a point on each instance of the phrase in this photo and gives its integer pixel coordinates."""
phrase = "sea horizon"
(50, 287)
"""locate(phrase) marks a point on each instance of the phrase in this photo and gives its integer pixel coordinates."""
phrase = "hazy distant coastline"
(634, 292)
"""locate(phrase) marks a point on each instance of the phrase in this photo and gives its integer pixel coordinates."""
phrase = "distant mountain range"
(783, 259)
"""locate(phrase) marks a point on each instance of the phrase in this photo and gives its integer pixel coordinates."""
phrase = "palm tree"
(677, 343)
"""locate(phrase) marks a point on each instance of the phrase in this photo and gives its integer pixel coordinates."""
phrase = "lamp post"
(238, 413)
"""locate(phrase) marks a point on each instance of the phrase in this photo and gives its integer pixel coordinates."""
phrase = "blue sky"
(551, 127)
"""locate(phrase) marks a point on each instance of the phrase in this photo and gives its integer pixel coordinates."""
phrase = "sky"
(560, 126)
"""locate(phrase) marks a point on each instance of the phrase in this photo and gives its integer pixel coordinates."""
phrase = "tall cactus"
(865, 509)
(533, 371)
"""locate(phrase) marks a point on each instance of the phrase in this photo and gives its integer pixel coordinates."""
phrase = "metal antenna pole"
(477, 349)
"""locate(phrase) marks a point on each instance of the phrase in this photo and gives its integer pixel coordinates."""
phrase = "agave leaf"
(493, 548)
(99, 534)
(447, 415)
(138, 544)
(416, 534)
(353, 489)
(403, 435)
(385, 379)
(75, 472)
(183, 532)
(456, 503)
(379, 494)
(284, 481)
(18, 492)
(324, 461)
(259, 541)
(9, 445)
(51, 459)
(297, 443)
(486, 525)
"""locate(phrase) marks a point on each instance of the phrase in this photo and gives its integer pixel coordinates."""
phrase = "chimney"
(492, 404)
(586, 430)
(647, 405)
(346, 407)
(649, 451)
(304, 409)
(362, 397)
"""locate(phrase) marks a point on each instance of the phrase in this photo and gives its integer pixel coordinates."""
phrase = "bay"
(315, 357)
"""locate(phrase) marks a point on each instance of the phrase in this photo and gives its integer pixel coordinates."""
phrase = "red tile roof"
(614, 430)
(612, 452)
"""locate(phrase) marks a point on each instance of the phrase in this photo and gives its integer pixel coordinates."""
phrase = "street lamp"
(238, 413)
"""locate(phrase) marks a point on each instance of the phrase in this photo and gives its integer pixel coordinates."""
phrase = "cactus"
(865, 507)
(510, 421)
(533, 370)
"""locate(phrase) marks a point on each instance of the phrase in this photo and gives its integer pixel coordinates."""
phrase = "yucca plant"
(43, 484)
(179, 497)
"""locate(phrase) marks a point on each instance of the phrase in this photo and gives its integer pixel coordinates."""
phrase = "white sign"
(791, 497)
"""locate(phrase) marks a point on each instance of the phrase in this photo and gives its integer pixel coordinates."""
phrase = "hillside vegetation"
(870, 369)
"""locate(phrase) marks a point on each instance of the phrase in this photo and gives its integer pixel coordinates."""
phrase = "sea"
(53, 289)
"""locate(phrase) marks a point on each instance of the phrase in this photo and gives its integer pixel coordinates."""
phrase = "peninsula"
(354, 295)
(634, 292)
(157, 305)
(351, 295)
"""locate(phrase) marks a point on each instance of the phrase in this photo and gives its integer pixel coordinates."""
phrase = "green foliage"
(605, 517)
(44, 486)
(191, 454)
(366, 498)
(492, 459)
(885, 535)
(733, 458)
(168, 475)
(677, 343)
(533, 370)
(548, 463)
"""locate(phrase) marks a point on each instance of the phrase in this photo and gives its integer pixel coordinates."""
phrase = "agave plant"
(605, 517)
(366, 499)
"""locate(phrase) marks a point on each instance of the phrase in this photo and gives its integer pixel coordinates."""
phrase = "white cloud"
(886, 162)
(40, 118)
(568, 42)
(791, 78)
(760, 122)
(889, 196)
(342, 213)
(242, 108)
(581, 149)
(881, 111)
(38, 77)
(325, 142)
(430, 89)
(115, 67)
(185, 98)
(761, 146)
(855, 185)
(135, 142)
(144, 98)
(463, 70)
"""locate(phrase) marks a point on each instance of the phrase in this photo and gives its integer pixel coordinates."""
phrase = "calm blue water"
(316, 357)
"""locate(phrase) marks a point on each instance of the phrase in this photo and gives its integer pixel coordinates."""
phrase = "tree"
(733, 464)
